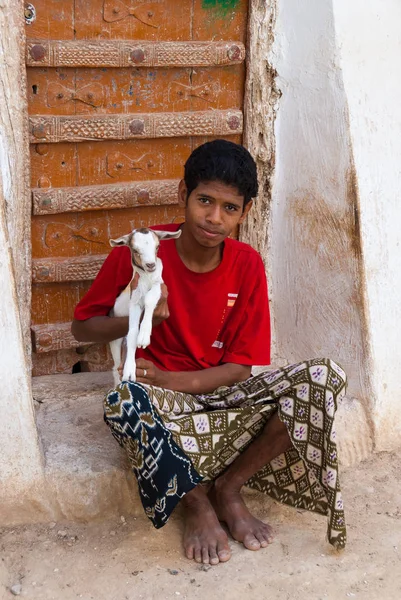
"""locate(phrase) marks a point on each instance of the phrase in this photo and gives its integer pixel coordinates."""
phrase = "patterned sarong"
(176, 440)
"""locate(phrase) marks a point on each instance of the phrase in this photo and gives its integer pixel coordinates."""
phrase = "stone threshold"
(86, 471)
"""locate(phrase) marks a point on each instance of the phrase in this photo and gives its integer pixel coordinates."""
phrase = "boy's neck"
(195, 257)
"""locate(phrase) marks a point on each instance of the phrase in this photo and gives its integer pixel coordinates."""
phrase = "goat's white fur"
(143, 244)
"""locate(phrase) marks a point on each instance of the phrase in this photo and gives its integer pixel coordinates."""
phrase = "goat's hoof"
(129, 376)
(143, 341)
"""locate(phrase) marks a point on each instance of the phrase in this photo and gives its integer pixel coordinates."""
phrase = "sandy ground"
(126, 559)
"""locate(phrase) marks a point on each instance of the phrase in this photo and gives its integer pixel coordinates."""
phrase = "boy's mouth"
(210, 233)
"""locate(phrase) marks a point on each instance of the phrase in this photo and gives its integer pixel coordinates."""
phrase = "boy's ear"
(121, 241)
(246, 211)
(182, 194)
(167, 235)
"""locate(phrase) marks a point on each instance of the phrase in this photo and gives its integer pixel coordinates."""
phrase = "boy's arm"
(104, 329)
(204, 381)
(100, 329)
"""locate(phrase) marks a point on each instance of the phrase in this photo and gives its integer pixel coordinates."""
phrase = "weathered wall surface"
(260, 101)
(21, 473)
(22, 489)
(14, 153)
(369, 38)
(315, 265)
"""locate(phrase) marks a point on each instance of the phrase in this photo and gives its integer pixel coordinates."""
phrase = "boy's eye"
(204, 200)
(232, 208)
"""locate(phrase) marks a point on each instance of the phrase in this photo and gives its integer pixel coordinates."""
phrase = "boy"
(195, 413)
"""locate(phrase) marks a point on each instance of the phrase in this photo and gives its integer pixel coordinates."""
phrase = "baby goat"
(143, 244)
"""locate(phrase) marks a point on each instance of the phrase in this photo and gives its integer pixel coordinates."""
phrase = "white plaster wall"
(22, 483)
(21, 469)
(314, 252)
(369, 38)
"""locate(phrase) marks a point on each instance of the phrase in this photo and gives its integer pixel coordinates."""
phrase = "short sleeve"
(251, 343)
(113, 277)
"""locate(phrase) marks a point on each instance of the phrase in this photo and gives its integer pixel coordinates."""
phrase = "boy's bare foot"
(244, 527)
(205, 540)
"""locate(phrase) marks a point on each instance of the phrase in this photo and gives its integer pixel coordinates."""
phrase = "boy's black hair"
(223, 161)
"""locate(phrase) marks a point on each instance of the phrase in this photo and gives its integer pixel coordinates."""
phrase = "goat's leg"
(129, 372)
(115, 348)
(151, 299)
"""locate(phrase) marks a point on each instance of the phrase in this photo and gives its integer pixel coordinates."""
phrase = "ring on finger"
(145, 372)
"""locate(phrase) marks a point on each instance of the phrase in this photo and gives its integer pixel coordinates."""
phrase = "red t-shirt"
(215, 318)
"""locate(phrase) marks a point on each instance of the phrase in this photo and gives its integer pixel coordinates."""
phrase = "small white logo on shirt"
(231, 299)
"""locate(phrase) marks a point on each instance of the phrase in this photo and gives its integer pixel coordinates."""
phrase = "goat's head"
(144, 244)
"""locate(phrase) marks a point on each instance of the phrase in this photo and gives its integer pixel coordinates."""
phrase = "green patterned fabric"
(175, 440)
(214, 429)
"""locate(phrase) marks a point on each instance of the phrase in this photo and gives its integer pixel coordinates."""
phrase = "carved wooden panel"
(90, 94)
(93, 358)
(219, 19)
(53, 336)
(154, 20)
(208, 92)
(54, 19)
(149, 13)
(87, 233)
(125, 127)
(78, 268)
(120, 165)
(113, 161)
(99, 197)
(118, 53)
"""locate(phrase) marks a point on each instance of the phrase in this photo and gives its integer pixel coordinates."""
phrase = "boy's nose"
(214, 215)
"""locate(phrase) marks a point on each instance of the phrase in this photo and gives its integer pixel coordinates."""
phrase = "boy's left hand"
(147, 372)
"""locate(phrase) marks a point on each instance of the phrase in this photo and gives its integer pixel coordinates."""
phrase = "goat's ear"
(121, 241)
(167, 235)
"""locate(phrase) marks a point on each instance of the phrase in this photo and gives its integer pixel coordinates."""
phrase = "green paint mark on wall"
(222, 7)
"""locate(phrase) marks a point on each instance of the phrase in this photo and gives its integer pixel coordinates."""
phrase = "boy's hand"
(161, 311)
(147, 372)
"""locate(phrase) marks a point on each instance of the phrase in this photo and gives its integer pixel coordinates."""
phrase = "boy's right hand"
(161, 311)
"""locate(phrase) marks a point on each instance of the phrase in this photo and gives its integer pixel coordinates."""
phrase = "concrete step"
(87, 472)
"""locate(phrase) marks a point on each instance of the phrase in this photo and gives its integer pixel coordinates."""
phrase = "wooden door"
(120, 92)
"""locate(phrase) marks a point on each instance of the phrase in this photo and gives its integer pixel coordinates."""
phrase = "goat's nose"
(151, 266)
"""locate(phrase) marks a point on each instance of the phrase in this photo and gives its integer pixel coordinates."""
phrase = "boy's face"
(212, 211)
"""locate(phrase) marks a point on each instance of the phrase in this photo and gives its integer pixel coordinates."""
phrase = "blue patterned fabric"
(164, 473)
